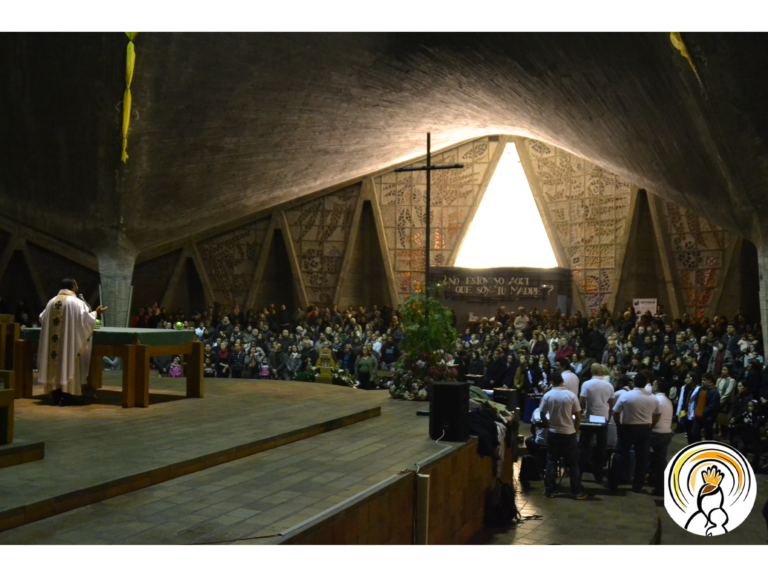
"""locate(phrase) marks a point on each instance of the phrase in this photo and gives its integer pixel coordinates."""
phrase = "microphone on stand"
(86, 302)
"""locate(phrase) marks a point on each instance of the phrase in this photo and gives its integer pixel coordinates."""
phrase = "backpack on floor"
(529, 469)
(500, 507)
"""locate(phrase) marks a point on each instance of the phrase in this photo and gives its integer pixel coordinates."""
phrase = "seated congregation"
(276, 344)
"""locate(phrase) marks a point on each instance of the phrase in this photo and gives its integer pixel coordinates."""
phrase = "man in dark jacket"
(707, 406)
(285, 318)
(226, 327)
(237, 359)
(277, 362)
(389, 353)
(286, 341)
(595, 343)
(626, 324)
(510, 369)
(502, 316)
(494, 372)
(731, 340)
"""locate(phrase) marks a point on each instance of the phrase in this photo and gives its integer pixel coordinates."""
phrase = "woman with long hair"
(365, 368)
(539, 344)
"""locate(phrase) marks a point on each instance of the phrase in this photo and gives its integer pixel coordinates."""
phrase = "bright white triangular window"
(507, 229)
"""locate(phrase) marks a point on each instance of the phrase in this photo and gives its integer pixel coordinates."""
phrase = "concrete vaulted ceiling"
(227, 125)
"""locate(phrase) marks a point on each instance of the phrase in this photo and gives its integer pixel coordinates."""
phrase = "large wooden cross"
(428, 169)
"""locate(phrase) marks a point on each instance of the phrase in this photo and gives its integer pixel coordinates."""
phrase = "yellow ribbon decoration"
(677, 42)
(129, 62)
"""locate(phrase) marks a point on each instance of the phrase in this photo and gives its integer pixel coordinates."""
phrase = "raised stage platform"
(259, 462)
(98, 451)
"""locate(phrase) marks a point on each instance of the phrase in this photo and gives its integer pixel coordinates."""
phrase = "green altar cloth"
(106, 336)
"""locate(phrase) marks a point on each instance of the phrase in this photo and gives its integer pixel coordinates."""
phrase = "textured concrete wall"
(277, 285)
(366, 280)
(53, 268)
(188, 294)
(17, 284)
(151, 278)
(762, 262)
(642, 275)
(226, 125)
(741, 288)
(60, 120)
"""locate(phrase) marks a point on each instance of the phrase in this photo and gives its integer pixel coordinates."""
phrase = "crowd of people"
(710, 372)
(646, 376)
(708, 379)
(275, 343)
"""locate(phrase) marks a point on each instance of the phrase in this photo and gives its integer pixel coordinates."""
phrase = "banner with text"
(503, 287)
(641, 305)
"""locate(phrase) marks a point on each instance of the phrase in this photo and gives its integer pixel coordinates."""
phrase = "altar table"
(134, 345)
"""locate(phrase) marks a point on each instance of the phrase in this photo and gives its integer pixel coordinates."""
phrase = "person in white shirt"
(661, 435)
(635, 413)
(570, 380)
(559, 408)
(690, 407)
(623, 384)
(597, 397)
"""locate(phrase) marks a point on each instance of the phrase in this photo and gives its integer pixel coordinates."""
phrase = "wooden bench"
(6, 416)
(9, 333)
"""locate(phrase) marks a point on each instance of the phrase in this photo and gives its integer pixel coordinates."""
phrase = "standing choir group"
(629, 384)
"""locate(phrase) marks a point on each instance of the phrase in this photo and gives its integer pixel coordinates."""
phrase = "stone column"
(116, 261)
(762, 266)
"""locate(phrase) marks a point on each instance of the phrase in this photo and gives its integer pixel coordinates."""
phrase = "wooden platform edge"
(21, 452)
(26, 514)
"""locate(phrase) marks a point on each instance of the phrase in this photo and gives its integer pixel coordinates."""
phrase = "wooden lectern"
(326, 364)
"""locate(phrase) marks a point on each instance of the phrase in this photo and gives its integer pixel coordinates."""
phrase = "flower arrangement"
(342, 377)
(306, 376)
(427, 334)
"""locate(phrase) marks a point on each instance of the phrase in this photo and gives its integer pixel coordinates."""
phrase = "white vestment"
(64, 354)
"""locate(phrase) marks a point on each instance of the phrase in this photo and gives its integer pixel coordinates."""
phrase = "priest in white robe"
(64, 353)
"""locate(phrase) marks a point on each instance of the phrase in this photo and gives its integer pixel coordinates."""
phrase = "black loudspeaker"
(449, 411)
(507, 397)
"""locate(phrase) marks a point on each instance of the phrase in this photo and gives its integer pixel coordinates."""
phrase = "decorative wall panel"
(230, 260)
(320, 230)
(402, 197)
(55, 267)
(589, 211)
(698, 255)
